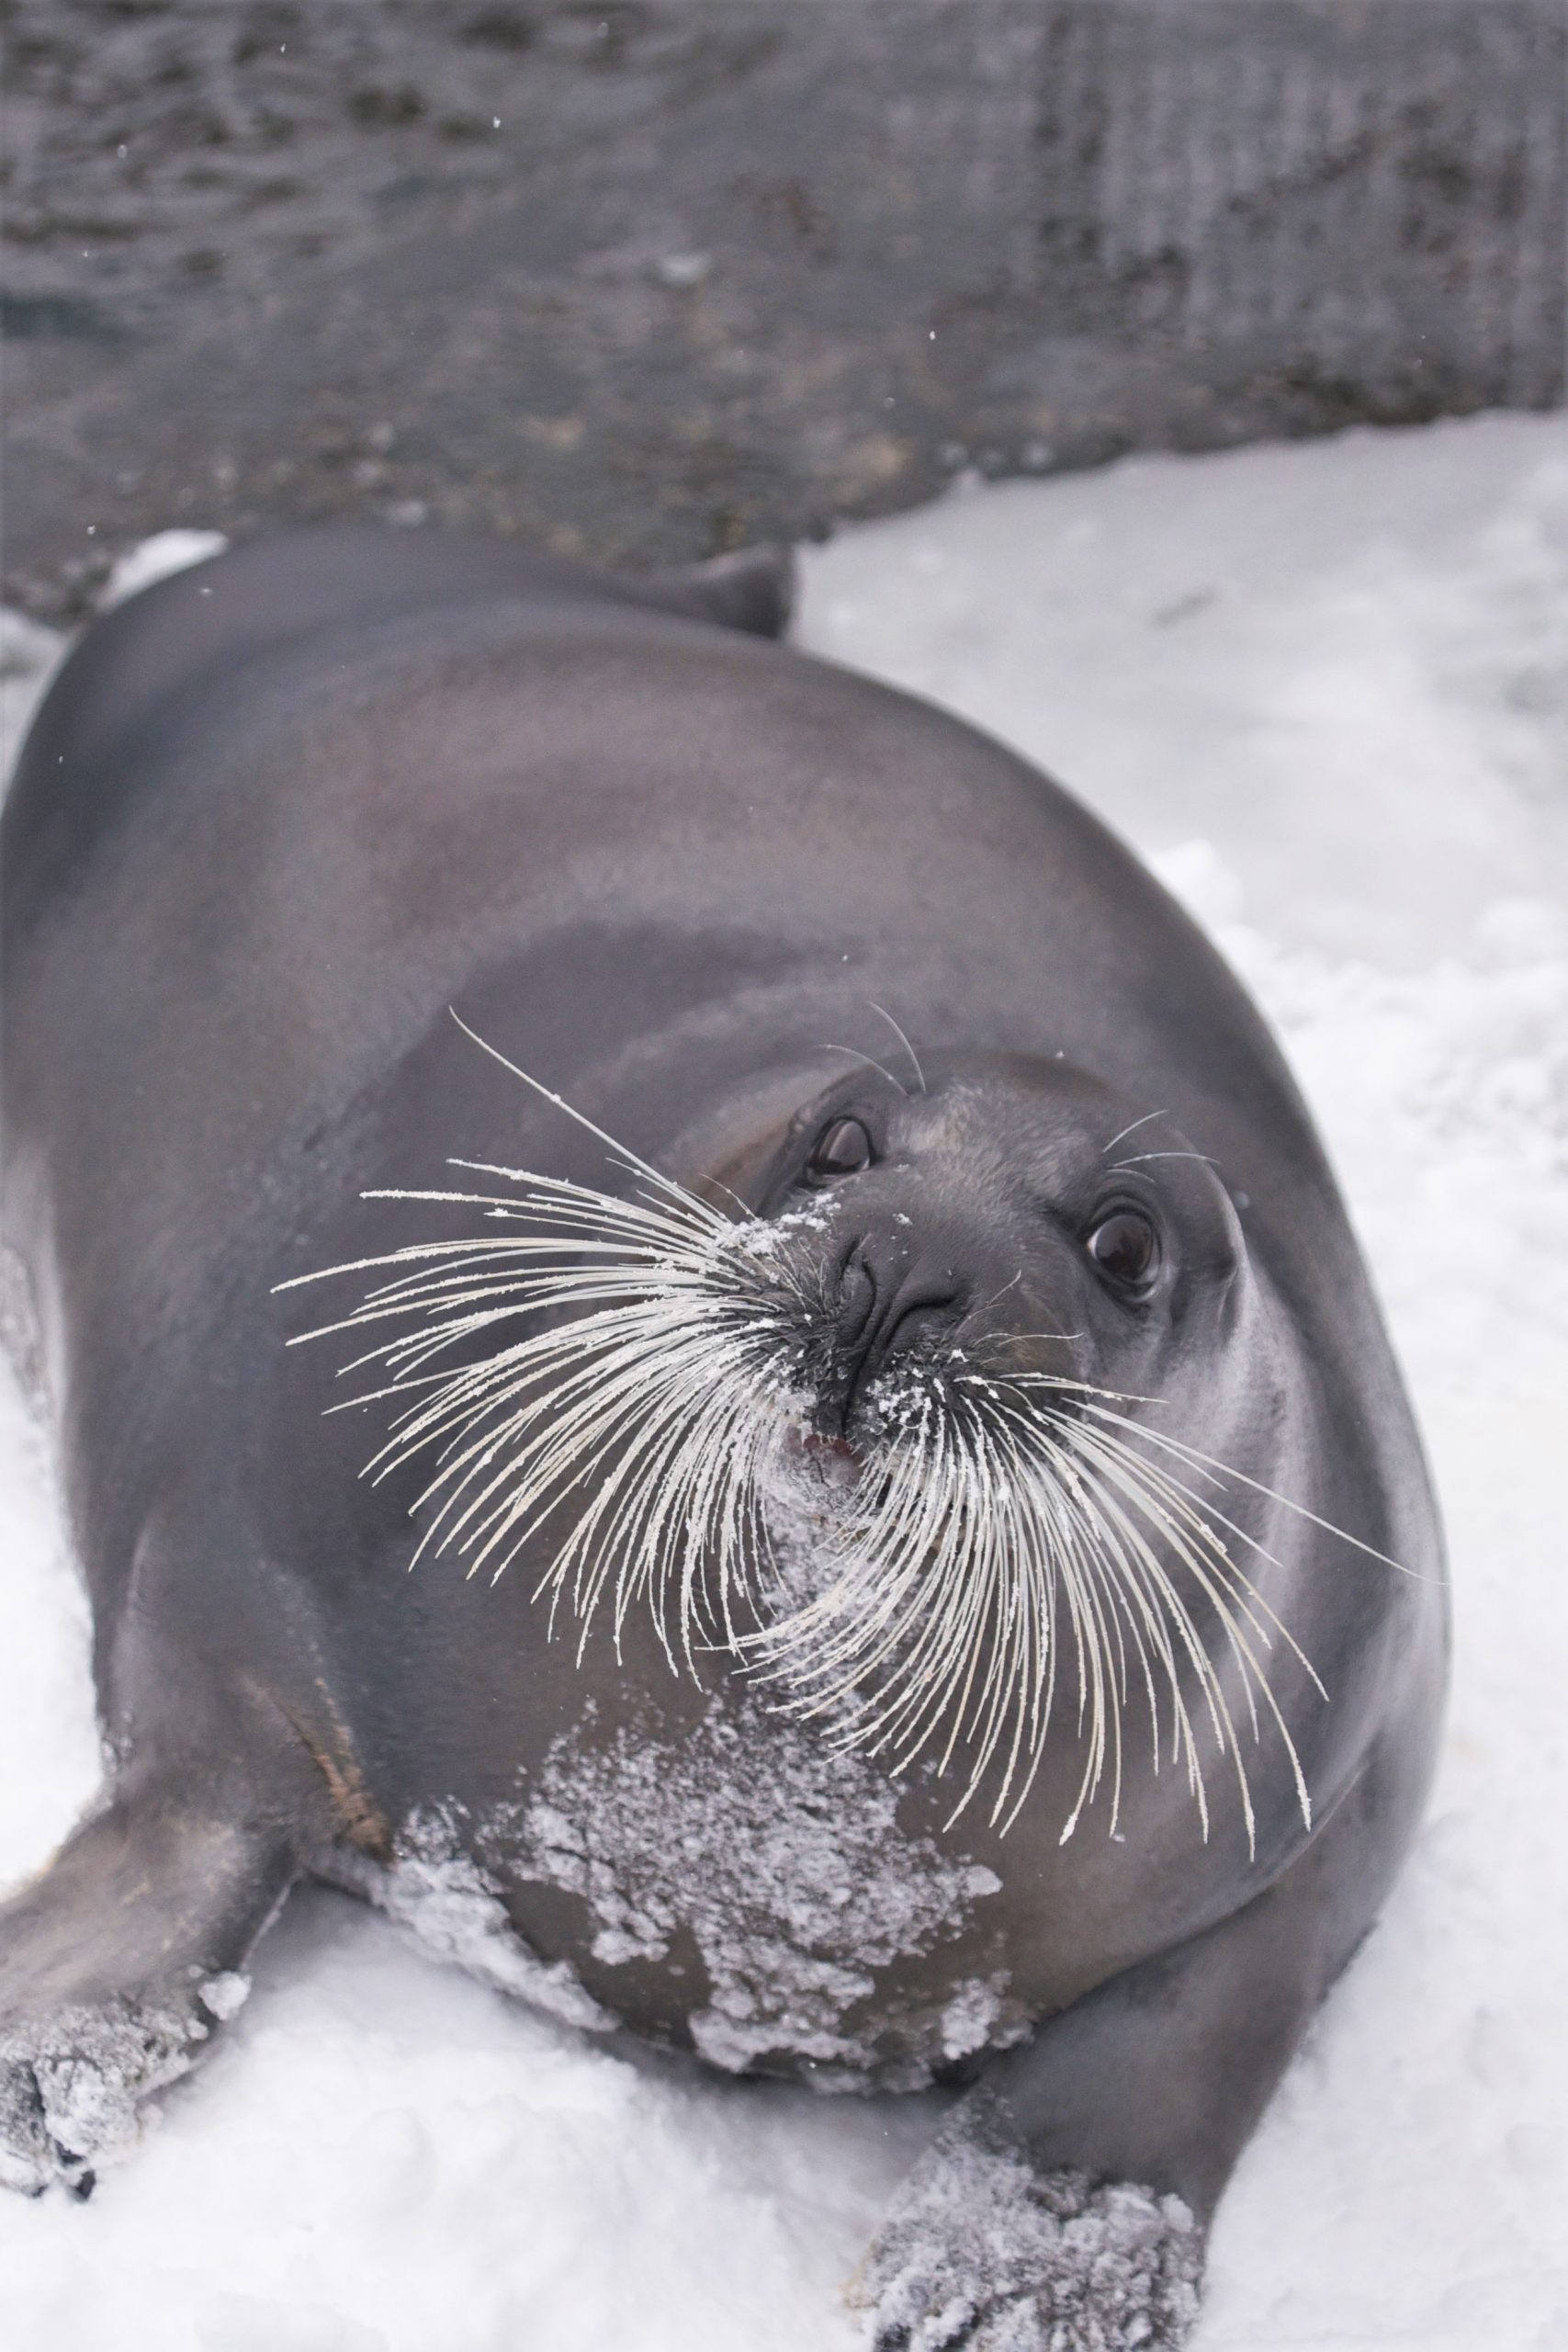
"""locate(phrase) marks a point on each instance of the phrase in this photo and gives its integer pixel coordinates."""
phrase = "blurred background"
(647, 279)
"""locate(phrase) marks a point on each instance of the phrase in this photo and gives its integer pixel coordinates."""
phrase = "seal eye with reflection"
(1126, 1247)
(842, 1149)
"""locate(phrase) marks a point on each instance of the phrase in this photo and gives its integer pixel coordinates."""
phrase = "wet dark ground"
(645, 280)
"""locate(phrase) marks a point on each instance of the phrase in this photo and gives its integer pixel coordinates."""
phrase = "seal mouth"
(834, 1461)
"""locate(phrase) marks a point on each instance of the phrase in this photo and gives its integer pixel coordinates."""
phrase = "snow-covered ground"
(1322, 688)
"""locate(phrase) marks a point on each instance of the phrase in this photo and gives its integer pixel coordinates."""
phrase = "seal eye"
(1125, 1247)
(842, 1149)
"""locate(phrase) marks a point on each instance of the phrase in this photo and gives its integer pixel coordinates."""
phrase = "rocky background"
(644, 278)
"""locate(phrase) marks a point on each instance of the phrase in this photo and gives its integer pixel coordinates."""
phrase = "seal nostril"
(920, 1319)
(856, 1301)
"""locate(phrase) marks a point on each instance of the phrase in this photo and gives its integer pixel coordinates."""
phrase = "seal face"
(954, 1589)
(898, 1464)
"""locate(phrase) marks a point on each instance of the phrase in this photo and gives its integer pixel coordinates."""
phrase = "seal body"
(277, 816)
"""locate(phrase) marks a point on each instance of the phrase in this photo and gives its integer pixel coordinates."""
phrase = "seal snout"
(889, 1303)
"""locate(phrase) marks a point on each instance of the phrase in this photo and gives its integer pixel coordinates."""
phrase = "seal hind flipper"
(119, 1963)
(753, 590)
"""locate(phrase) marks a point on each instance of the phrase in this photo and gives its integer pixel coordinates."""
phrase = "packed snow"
(1322, 689)
(686, 1838)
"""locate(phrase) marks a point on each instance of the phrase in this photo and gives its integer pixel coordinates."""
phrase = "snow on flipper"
(982, 2249)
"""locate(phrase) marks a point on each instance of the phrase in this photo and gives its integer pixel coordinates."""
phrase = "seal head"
(1003, 1214)
(904, 1436)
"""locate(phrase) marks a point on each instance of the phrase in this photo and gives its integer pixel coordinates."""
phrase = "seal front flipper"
(1068, 2200)
(120, 1963)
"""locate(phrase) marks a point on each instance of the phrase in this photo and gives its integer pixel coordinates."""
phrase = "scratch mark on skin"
(359, 1817)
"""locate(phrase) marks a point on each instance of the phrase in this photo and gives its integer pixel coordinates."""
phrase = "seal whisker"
(1227, 1470)
(638, 1430)
(900, 1034)
(1254, 1608)
(1197, 1511)
(1110, 1551)
(855, 1055)
(664, 1185)
(1253, 1675)
(1135, 1159)
(1131, 1128)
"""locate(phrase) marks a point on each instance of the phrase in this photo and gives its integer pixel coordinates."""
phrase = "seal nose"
(883, 1310)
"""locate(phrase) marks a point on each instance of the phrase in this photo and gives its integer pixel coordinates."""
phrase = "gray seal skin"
(277, 816)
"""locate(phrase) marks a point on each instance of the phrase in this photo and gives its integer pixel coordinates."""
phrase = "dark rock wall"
(649, 277)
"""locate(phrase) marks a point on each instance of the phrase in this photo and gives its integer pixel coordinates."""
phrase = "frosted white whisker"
(614, 1391)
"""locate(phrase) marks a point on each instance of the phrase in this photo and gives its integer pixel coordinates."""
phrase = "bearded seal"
(958, 1595)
